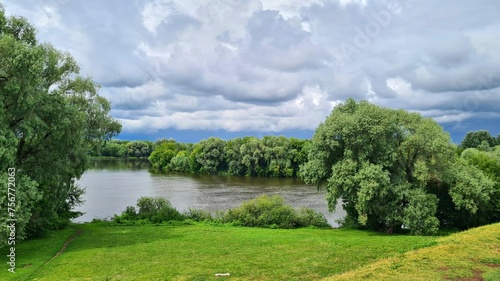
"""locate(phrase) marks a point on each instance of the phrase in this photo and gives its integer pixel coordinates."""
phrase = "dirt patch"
(66, 244)
(494, 265)
(26, 265)
(475, 277)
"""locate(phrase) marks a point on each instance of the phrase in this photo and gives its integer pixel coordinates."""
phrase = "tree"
(140, 149)
(388, 166)
(161, 157)
(113, 148)
(489, 164)
(50, 117)
(180, 162)
(211, 155)
(298, 154)
(476, 139)
(233, 156)
(252, 157)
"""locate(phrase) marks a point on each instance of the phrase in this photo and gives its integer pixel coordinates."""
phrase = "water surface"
(112, 185)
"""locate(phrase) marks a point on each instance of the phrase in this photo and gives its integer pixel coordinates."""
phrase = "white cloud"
(278, 65)
(154, 13)
(47, 18)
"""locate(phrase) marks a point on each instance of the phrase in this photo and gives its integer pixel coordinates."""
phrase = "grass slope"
(33, 254)
(198, 252)
(469, 255)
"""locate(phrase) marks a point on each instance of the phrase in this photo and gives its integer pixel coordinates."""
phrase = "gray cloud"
(277, 65)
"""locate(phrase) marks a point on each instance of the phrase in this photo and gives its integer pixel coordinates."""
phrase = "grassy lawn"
(469, 255)
(198, 252)
(33, 254)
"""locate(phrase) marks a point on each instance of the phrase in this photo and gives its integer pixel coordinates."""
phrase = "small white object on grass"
(222, 274)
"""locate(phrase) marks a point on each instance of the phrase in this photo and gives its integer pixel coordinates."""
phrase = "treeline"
(270, 156)
(124, 149)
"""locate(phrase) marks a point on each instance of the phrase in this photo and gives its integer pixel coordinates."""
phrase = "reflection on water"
(119, 164)
(111, 185)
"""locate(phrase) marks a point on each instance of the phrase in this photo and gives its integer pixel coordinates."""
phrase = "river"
(113, 184)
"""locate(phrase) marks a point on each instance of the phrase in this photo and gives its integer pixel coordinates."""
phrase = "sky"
(191, 69)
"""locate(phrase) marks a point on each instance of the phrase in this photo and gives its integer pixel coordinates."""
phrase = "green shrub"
(198, 215)
(263, 211)
(309, 217)
(129, 213)
(272, 212)
(155, 210)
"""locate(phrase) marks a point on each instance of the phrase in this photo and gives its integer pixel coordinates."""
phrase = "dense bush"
(310, 217)
(264, 211)
(155, 210)
(198, 215)
(272, 212)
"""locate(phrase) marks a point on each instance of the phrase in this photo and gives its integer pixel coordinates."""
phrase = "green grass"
(33, 254)
(469, 255)
(106, 251)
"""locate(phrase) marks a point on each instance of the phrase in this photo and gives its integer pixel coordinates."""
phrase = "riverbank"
(112, 185)
(197, 252)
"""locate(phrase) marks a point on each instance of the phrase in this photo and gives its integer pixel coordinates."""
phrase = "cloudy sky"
(190, 69)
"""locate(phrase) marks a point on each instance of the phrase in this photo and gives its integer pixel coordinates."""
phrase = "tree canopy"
(271, 156)
(479, 139)
(391, 168)
(489, 163)
(50, 117)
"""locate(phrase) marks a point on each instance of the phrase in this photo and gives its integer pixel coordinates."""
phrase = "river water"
(113, 184)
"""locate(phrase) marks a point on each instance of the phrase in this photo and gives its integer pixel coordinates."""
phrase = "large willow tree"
(50, 117)
(391, 168)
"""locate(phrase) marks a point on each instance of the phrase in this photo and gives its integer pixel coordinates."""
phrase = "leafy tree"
(180, 162)
(161, 157)
(194, 165)
(476, 139)
(141, 149)
(114, 148)
(388, 166)
(50, 117)
(489, 164)
(484, 146)
(298, 153)
(211, 155)
(163, 153)
(252, 157)
(276, 151)
(233, 156)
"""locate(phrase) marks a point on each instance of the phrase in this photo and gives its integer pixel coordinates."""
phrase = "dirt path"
(66, 244)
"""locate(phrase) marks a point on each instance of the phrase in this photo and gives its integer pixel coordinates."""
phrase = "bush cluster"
(272, 212)
(155, 210)
(264, 211)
